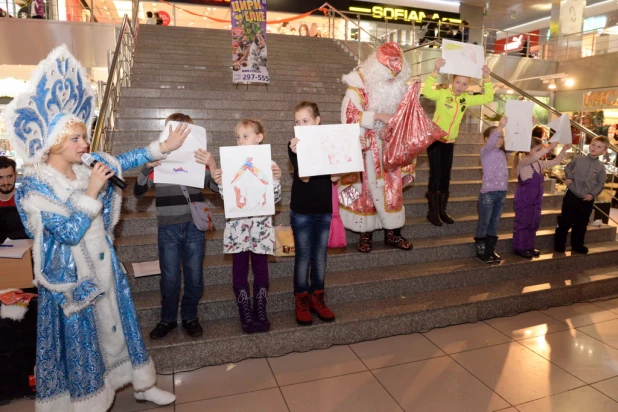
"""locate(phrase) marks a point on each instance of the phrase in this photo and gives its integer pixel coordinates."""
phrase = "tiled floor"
(560, 359)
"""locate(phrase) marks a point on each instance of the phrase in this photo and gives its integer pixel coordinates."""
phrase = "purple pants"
(240, 270)
(528, 202)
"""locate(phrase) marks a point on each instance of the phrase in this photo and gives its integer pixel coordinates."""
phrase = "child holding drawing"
(178, 238)
(250, 237)
(451, 105)
(311, 210)
(529, 194)
(493, 192)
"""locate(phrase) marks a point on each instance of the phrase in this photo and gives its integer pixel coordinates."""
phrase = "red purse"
(409, 132)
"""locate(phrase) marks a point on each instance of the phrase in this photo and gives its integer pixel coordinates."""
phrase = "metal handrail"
(113, 82)
(334, 10)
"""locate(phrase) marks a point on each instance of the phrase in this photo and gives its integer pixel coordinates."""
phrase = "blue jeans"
(310, 241)
(490, 210)
(181, 242)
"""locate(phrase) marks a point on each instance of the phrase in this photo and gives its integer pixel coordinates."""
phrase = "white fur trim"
(101, 401)
(91, 207)
(15, 312)
(117, 200)
(154, 151)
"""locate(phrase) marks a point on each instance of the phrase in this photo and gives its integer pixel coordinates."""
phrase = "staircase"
(385, 293)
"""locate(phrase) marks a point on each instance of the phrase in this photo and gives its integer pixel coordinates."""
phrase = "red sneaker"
(318, 305)
(303, 314)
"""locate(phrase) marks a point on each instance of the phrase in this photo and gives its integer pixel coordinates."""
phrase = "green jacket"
(450, 109)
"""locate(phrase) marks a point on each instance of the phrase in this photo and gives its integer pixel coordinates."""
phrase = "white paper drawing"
(180, 167)
(562, 128)
(518, 136)
(464, 59)
(146, 268)
(247, 181)
(15, 249)
(328, 149)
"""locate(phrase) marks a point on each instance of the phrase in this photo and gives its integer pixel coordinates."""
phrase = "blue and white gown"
(89, 342)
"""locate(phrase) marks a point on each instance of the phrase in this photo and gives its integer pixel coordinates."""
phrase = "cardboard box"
(16, 273)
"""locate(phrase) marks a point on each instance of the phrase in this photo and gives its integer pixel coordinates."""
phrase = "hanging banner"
(249, 55)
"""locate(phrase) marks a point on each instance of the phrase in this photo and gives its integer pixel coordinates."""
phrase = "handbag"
(409, 132)
(202, 218)
(284, 241)
(336, 237)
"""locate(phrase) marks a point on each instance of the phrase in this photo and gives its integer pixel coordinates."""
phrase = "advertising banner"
(249, 55)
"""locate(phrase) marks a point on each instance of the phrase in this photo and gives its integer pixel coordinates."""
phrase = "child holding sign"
(451, 104)
(529, 195)
(250, 237)
(493, 192)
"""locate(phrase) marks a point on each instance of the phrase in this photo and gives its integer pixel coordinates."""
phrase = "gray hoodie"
(587, 174)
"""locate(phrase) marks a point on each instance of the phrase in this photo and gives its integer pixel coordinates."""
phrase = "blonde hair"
(255, 124)
(63, 138)
(518, 155)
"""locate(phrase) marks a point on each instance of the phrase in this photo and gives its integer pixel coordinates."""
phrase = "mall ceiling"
(503, 14)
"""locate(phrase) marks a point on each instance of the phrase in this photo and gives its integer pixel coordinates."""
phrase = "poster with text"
(463, 59)
(249, 55)
(518, 136)
(328, 149)
(180, 167)
(247, 180)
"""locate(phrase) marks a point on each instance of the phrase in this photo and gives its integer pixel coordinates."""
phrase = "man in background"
(10, 223)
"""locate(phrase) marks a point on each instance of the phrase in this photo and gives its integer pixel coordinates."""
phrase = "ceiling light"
(105, 7)
(108, 13)
(552, 85)
(570, 82)
(191, 24)
(509, 91)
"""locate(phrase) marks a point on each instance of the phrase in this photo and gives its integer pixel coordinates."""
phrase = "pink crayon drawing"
(250, 186)
(180, 169)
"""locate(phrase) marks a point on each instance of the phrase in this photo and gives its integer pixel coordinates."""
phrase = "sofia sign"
(399, 13)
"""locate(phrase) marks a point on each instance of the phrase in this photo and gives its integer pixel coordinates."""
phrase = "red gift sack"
(336, 237)
(409, 132)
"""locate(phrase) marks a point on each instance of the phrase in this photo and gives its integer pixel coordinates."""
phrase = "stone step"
(236, 95)
(402, 313)
(154, 81)
(220, 52)
(141, 228)
(217, 267)
(276, 86)
(195, 105)
(343, 63)
(150, 114)
(148, 67)
(364, 284)
(145, 223)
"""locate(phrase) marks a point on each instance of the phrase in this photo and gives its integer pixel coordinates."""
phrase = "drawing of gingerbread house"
(250, 186)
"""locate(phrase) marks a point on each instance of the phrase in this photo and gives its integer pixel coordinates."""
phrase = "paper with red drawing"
(463, 59)
(247, 181)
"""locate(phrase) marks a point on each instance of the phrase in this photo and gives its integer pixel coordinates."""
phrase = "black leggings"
(440, 164)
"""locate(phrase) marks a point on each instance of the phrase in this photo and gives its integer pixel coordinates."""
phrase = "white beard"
(385, 92)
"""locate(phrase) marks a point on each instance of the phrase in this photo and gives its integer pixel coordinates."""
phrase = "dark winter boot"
(365, 243)
(392, 237)
(260, 318)
(244, 310)
(318, 305)
(443, 215)
(433, 203)
(491, 248)
(303, 313)
(482, 250)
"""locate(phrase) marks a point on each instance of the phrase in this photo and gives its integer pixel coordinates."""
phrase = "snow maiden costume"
(373, 199)
(88, 342)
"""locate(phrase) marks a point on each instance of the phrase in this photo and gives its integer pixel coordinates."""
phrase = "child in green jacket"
(451, 105)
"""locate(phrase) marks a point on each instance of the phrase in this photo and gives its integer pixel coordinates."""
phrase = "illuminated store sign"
(516, 43)
(378, 11)
(601, 99)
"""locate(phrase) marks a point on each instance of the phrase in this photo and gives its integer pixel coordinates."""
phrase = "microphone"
(89, 160)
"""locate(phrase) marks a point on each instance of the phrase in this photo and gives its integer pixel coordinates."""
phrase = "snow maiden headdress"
(58, 97)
